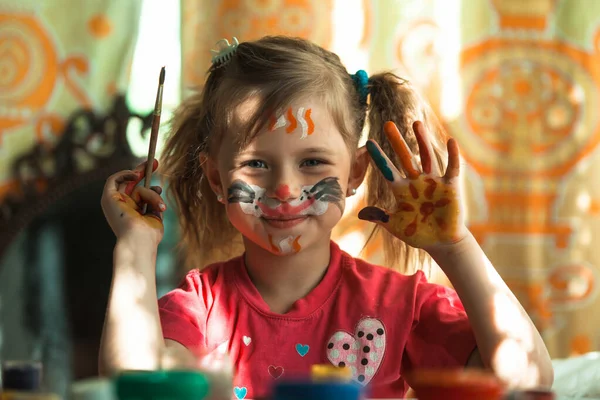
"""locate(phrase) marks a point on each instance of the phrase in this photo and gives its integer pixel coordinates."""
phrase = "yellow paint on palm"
(427, 213)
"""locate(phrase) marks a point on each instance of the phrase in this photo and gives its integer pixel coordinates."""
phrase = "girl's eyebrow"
(317, 150)
(303, 151)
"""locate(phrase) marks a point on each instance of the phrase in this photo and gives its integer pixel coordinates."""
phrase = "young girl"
(268, 150)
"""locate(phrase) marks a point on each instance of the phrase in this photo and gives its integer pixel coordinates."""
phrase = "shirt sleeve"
(183, 312)
(441, 335)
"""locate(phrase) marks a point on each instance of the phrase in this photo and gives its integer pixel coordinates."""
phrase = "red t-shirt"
(376, 321)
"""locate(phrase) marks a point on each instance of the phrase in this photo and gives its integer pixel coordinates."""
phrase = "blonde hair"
(277, 71)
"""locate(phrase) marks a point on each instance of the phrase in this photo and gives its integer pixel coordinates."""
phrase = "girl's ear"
(211, 172)
(359, 167)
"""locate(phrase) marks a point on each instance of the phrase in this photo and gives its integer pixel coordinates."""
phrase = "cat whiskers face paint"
(313, 200)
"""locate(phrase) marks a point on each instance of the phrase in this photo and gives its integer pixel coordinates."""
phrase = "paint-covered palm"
(428, 211)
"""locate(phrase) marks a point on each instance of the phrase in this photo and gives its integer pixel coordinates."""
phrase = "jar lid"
(21, 375)
(181, 385)
(93, 389)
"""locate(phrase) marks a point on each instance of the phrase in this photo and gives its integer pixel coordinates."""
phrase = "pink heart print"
(362, 352)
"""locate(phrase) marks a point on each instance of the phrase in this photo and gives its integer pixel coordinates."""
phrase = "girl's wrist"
(464, 242)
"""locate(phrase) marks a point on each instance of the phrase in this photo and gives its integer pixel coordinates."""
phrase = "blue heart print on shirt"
(240, 392)
(302, 349)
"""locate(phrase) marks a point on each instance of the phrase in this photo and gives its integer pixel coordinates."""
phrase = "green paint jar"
(162, 385)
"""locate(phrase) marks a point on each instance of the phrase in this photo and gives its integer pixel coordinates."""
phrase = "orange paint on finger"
(401, 149)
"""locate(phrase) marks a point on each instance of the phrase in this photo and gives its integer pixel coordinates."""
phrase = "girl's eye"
(311, 163)
(255, 164)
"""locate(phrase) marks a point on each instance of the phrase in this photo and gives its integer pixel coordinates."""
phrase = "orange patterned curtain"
(516, 82)
(529, 131)
(55, 57)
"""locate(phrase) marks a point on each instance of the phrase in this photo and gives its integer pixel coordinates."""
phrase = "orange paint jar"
(455, 385)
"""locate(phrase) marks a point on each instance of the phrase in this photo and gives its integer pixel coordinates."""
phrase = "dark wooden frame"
(46, 175)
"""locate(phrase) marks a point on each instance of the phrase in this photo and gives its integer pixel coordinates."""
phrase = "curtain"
(516, 83)
(56, 56)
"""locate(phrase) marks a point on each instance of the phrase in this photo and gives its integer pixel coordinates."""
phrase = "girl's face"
(287, 189)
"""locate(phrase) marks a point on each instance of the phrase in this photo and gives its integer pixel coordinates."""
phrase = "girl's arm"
(132, 335)
(429, 215)
(508, 341)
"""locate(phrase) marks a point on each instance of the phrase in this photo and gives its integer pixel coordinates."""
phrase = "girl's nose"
(283, 192)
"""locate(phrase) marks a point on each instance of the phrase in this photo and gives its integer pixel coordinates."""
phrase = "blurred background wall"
(515, 81)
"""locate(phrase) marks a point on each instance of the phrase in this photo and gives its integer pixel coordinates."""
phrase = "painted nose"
(282, 192)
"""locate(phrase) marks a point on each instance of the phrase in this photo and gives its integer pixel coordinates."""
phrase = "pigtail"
(393, 99)
(207, 235)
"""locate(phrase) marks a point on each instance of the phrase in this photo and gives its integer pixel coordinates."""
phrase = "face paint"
(287, 245)
(314, 200)
(282, 191)
(380, 161)
(303, 117)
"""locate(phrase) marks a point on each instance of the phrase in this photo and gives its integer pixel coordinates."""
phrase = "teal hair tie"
(361, 81)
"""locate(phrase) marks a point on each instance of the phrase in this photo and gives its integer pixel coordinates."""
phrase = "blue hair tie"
(361, 80)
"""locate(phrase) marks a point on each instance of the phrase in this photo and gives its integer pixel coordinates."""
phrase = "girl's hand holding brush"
(129, 208)
(123, 202)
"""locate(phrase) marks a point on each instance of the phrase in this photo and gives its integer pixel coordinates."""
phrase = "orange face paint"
(291, 121)
(287, 245)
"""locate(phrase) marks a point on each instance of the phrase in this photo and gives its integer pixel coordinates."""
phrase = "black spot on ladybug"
(342, 364)
(346, 346)
(364, 361)
(330, 346)
(380, 331)
(366, 349)
(361, 334)
(370, 336)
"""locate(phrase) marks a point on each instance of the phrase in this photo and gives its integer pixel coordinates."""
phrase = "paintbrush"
(154, 132)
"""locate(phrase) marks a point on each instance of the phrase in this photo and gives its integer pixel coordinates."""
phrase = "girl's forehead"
(302, 123)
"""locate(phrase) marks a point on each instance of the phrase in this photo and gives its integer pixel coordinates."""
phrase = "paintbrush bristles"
(161, 79)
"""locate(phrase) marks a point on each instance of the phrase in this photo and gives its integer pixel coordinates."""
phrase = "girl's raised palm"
(123, 202)
(427, 211)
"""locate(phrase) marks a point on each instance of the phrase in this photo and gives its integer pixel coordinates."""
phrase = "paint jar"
(330, 373)
(25, 376)
(93, 389)
(162, 385)
(317, 391)
(455, 385)
(16, 395)
(539, 394)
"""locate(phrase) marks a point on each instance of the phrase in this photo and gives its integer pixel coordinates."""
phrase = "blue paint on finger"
(380, 161)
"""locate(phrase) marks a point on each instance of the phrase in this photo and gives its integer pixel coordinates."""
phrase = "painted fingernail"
(373, 214)
(380, 161)
(162, 207)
